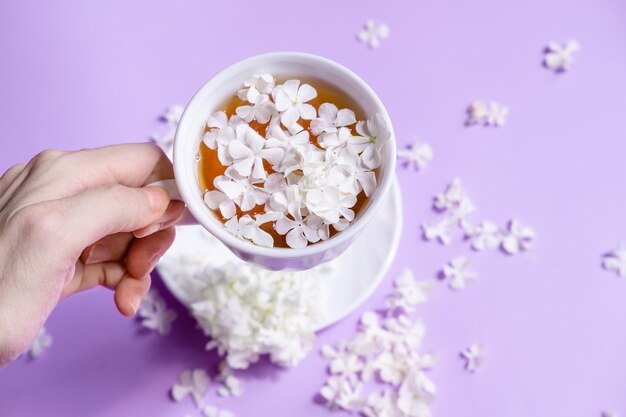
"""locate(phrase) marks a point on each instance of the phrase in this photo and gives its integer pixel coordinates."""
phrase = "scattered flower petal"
(616, 261)
(373, 33)
(457, 272)
(154, 314)
(42, 341)
(473, 356)
(559, 57)
(419, 154)
(194, 382)
(517, 238)
(492, 114)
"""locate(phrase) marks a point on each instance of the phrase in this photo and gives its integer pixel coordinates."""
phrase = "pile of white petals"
(384, 352)
(311, 188)
(248, 311)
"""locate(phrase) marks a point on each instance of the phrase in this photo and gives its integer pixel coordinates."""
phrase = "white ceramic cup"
(210, 96)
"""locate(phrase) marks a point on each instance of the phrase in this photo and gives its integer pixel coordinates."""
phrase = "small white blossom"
(256, 85)
(213, 411)
(299, 230)
(248, 153)
(408, 292)
(486, 235)
(492, 114)
(441, 230)
(381, 404)
(616, 261)
(419, 154)
(291, 99)
(339, 392)
(456, 270)
(517, 238)
(292, 146)
(42, 341)
(261, 110)
(416, 394)
(559, 57)
(252, 230)
(473, 356)
(194, 382)
(374, 133)
(452, 198)
(373, 33)
(330, 204)
(330, 120)
(154, 314)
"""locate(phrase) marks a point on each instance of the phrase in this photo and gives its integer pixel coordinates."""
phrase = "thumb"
(98, 212)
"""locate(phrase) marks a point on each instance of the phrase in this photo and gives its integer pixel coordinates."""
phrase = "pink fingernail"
(134, 303)
(97, 254)
(147, 231)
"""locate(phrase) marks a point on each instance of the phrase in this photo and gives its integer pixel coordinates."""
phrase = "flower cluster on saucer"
(316, 173)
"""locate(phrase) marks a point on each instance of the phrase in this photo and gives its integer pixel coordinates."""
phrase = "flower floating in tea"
(292, 167)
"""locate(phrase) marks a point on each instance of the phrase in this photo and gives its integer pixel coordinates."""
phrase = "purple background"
(81, 74)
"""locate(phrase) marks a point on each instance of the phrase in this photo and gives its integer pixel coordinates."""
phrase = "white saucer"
(350, 280)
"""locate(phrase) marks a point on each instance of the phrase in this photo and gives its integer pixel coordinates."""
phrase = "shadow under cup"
(222, 86)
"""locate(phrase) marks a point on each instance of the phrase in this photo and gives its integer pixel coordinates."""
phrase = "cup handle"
(171, 187)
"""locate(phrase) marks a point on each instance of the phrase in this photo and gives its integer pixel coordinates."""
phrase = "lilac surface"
(81, 74)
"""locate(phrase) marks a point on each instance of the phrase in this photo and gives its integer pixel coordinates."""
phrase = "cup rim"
(217, 228)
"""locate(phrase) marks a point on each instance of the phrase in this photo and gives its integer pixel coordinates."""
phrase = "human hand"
(70, 221)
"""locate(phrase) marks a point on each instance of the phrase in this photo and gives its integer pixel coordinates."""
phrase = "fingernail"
(156, 197)
(97, 254)
(148, 230)
(134, 303)
(153, 262)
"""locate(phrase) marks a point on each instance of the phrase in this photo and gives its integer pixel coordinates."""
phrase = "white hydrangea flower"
(488, 114)
(249, 312)
(291, 100)
(559, 57)
(616, 261)
(248, 153)
(456, 270)
(330, 120)
(256, 92)
(292, 145)
(330, 204)
(416, 394)
(517, 238)
(256, 85)
(452, 198)
(261, 110)
(382, 403)
(213, 411)
(408, 292)
(194, 382)
(486, 235)
(154, 314)
(300, 231)
(441, 230)
(419, 154)
(374, 133)
(42, 341)
(339, 392)
(252, 230)
(373, 33)
(473, 356)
